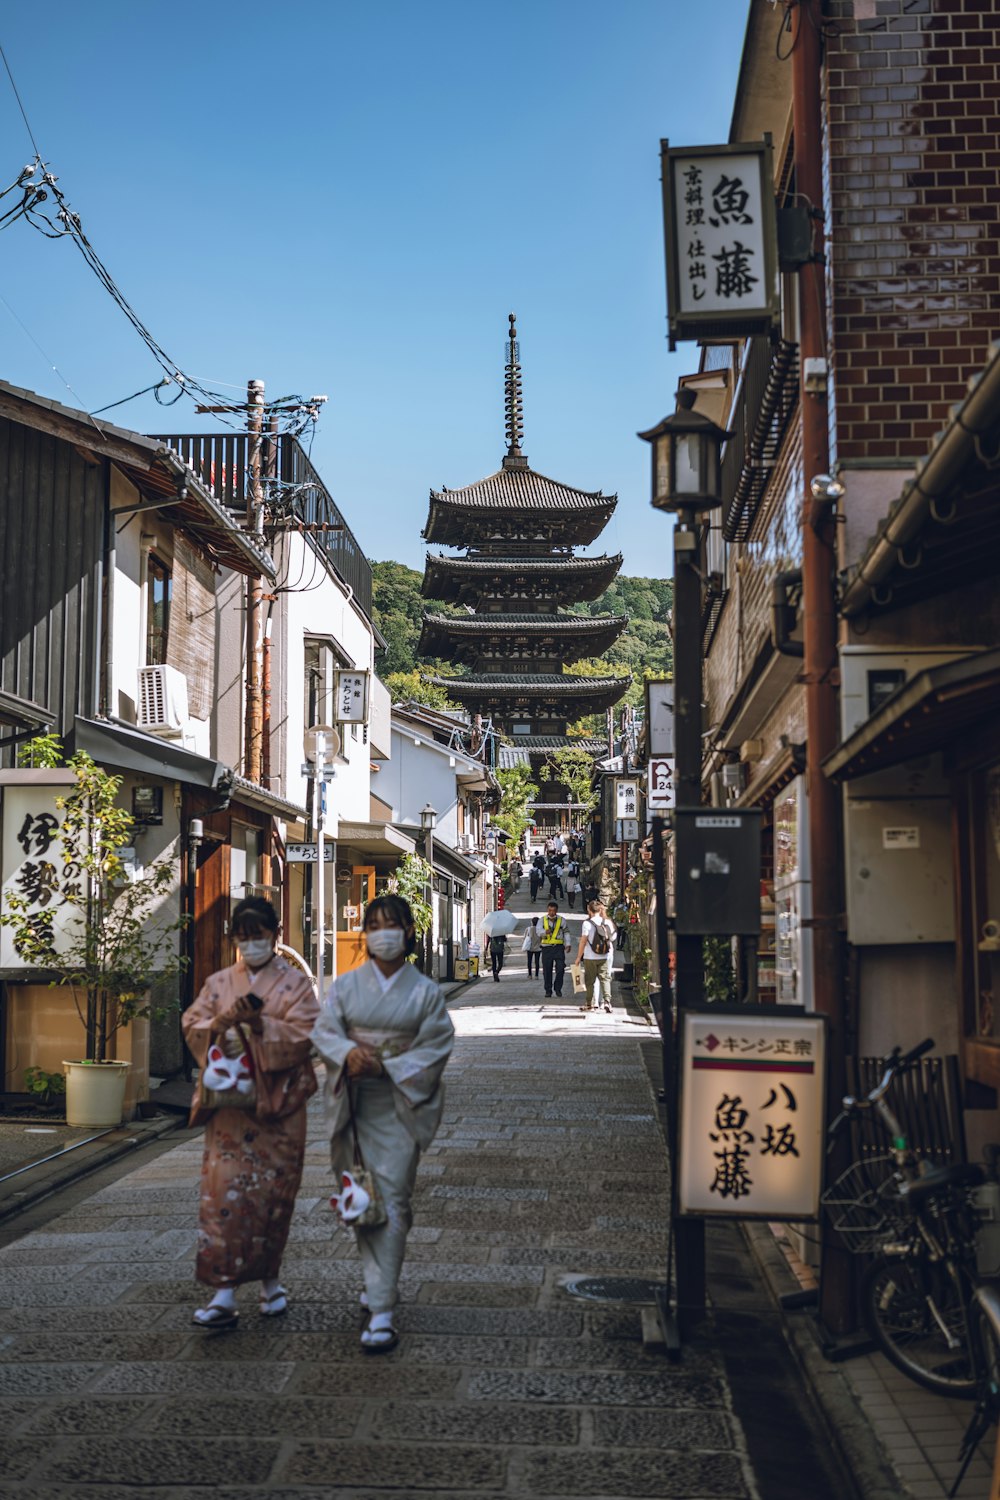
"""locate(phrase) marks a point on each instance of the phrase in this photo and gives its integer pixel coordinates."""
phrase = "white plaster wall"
(321, 606)
(227, 719)
(418, 774)
(143, 532)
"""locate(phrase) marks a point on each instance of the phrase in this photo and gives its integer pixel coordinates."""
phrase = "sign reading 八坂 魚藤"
(352, 697)
(752, 1112)
(33, 865)
(720, 225)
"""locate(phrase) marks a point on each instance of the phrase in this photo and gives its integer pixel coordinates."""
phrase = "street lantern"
(428, 818)
(687, 470)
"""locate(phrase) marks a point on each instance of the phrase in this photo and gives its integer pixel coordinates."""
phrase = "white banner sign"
(32, 862)
(352, 697)
(306, 854)
(660, 793)
(752, 1128)
(626, 797)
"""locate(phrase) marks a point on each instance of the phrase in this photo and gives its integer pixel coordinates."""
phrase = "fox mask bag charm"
(228, 1082)
(358, 1202)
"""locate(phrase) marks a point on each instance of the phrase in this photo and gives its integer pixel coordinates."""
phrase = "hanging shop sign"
(721, 240)
(626, 796)
(753, 1107)
(660, 793)
(351, 697)
(308, 854)
(35, 866)
(659, 708)
(627, 831)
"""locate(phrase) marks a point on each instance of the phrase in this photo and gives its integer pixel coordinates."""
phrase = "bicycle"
(920, 1222)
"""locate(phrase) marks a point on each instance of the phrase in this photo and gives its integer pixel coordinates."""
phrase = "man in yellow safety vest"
(554, 941)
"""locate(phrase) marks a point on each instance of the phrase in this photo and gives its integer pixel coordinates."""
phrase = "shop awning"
(130, 750)
(928, 713)
(252, 794)
(375, 838)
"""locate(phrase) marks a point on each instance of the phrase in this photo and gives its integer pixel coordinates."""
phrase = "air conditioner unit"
(466, 841)
(163, 700)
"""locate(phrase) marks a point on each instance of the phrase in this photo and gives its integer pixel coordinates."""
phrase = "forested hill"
(644, 649)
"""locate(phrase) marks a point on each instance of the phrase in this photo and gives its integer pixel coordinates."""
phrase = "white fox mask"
(352, 1200)
(223, 1073)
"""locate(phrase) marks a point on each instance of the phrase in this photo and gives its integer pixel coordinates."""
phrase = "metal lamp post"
(686, 479)
(321, 744)
(428, 818)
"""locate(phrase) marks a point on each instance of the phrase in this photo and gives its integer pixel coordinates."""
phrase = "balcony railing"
(765, 402)
(293, 489)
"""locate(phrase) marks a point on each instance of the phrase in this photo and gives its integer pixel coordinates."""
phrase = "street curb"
(42, 1181)
(847, 1428)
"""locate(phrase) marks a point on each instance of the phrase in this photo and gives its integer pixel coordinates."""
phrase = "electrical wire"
(52, 366)
(20, 106)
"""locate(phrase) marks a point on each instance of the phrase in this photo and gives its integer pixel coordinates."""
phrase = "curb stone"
(847, 1427)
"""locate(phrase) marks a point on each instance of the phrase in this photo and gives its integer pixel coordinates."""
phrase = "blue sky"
(350, 199)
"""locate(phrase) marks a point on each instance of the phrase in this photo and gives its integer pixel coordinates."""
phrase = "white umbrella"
(499, 923)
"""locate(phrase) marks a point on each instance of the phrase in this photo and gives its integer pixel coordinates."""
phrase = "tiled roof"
(539, 624)
(548, 682)
(519, 564)
(523, 489)
(525, 746)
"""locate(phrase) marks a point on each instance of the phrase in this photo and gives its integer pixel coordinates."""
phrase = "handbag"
(226, 1082)
(269, 1096)
(526, 945)
(359, 1203)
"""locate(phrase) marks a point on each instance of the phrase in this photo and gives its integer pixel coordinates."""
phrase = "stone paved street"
(550, 1161)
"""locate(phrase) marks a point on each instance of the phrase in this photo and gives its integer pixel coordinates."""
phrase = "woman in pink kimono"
(386, 1036)
(251, 1168)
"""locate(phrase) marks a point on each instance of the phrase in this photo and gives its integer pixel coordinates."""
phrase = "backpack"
(600, 938)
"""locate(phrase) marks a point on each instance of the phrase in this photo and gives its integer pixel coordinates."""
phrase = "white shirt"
(592, 925)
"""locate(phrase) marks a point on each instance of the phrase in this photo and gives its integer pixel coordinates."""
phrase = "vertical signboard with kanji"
(32, 863)
(351, 700)
(752, 1112)
(721, 240)
(626, 796)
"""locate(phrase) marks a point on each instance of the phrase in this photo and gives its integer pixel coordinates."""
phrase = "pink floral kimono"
(251, 1170)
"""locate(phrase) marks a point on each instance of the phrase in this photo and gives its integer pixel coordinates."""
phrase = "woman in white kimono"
(386, 1035)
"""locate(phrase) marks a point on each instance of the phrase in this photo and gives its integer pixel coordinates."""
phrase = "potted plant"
(100, 934)
(43, 1086)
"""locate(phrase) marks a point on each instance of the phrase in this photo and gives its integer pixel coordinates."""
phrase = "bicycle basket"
(863, 1205)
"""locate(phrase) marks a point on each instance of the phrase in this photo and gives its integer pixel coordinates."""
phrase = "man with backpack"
(537, 874)
(596, 953)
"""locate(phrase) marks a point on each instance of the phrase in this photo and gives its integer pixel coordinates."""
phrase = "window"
(158, 592)
(318, 684)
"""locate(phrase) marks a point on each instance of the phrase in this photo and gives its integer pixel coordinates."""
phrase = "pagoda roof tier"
(513, 498)
(465, 638)
(508, 692)
(563, 579)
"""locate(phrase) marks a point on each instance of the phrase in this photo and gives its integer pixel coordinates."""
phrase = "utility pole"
(819, 611)
(254, 727)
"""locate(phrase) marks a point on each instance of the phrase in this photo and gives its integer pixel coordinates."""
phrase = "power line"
(28, 334)
(20, 106)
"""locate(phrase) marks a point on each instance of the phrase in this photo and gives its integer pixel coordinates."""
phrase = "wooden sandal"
(216, 1317)
(267, 1304)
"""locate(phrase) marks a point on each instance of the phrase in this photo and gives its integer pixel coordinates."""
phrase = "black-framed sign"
(752, 1112)
(720, 229)
(147, 805)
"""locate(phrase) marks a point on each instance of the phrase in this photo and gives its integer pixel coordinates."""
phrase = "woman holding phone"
(252, 1166)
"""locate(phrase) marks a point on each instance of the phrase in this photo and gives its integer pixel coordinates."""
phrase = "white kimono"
(397, 1113)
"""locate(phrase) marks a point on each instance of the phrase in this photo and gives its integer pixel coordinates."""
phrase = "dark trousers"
(537, 959)
(535, 883)
(553, 967)
(496, 959)
(555, 887)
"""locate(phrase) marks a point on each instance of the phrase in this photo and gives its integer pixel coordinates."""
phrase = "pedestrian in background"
(386, 1036)
(554, 943)
(498, 946)
(252, 1167)
(537, 874)
(516, 871)
(532, 946)
(596, 953)
(553, 874)
(572, 882)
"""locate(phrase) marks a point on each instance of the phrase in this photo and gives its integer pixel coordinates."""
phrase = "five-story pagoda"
(519, 531)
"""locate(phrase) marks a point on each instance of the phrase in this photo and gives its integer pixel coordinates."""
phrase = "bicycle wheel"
(915, 1311)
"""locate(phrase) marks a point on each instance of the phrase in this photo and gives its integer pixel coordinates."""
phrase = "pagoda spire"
(514, 459)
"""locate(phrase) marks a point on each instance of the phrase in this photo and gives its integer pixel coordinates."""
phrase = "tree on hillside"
(517, 790)
(574, 768)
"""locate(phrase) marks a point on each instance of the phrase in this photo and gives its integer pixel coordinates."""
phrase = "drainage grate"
(613, 1289)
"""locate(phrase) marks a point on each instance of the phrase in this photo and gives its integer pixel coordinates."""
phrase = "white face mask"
(256, 951)
(386, 942)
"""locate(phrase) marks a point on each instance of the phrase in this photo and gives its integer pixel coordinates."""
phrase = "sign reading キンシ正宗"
(721, 240)
(752, 1112)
